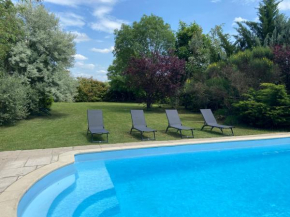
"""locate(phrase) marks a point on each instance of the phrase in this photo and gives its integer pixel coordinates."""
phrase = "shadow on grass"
(146, 136)
(218, 132)
(88, 138)
(54, 115)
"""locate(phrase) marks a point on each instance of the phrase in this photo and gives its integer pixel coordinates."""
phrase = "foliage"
(158, 76)
(222, 42)
(140, 39)
(183, 38)
(225, 82)
(282, 58)
(43, 54)
(267, 107)
(257, 33)
(90, 90)
(65, 87)
(9, 30)
(14, 99)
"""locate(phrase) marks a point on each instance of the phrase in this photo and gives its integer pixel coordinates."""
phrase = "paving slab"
(5, 173)
(36, 161)
(5, 182)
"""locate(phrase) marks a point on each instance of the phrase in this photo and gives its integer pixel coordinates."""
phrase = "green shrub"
(90, 90)
(267, 107)
(13, 100)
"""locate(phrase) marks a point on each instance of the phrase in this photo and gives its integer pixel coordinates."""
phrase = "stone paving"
(16, 164)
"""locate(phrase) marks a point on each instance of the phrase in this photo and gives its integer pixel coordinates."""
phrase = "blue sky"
(93, 22)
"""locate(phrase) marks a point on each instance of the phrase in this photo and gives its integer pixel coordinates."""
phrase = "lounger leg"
(232, 131)
(222, 130)
(154, 135)
(131, 130)
(92, 137)
(192, 133)
(107, 137)
(202, 127)
(211, 128)
(166, 129)
(141, 135)
(180, 133)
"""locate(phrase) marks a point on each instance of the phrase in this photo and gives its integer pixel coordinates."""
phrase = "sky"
(93, 22)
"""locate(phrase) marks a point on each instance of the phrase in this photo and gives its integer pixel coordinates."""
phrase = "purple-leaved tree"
(157, 76)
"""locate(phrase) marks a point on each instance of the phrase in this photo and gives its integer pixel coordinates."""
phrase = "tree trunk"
(148, 104)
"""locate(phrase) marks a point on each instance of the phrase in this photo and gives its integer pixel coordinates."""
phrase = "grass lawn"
(67, 126)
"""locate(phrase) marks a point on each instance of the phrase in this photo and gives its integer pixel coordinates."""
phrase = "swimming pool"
(246, 178)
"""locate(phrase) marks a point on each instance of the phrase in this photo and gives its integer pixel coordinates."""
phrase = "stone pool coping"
(10, 198)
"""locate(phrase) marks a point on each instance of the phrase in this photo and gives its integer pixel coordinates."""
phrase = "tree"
(183, 38)
(222, 42)
(248, 35)
(9, 31)
(140, 39)
(158, 76)
(282, 58)
(90, 90)
(267, 107)
(43, 53)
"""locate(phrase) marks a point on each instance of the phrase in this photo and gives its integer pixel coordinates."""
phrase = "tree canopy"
(158, 76)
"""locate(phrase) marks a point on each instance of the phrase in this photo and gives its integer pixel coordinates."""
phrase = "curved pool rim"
(12, 196)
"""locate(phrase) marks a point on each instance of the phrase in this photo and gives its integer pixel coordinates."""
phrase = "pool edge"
(10, 198)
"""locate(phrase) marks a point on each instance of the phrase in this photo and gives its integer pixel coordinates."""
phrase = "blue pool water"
(245, 179)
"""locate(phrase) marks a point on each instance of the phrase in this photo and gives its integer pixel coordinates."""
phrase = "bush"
(90, 90)
(267, 107)
(14, 101)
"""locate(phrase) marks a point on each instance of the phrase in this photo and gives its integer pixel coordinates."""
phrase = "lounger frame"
(96, 125)
(175, 123)
(139, 124)
(210, 121)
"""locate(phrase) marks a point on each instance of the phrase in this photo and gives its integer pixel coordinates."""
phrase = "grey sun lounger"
(96, 124)
(210, 121)
(174, 122)
(139, 123)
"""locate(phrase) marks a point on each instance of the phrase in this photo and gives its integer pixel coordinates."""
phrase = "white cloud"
(80, 57)
(102, 71)
(71, 19)
(74, 3)
(238, 19)
(80, 37)
(102, 11)
(108, 25)
(284, 5)
(82, 65)
(105, 22)
(215, 1)
(105, 50)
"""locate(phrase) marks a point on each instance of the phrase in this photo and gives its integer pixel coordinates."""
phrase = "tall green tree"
(255, 33)
(9, 31)
(183, 38)
(142, 38)
(43, 53)
(222, 42)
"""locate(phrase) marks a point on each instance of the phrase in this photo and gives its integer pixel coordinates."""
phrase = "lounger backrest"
(95, 119)
(173, 118)
(208, 116)
(138, 118)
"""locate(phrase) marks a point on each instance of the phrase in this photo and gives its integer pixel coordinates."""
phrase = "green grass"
(68, 124)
